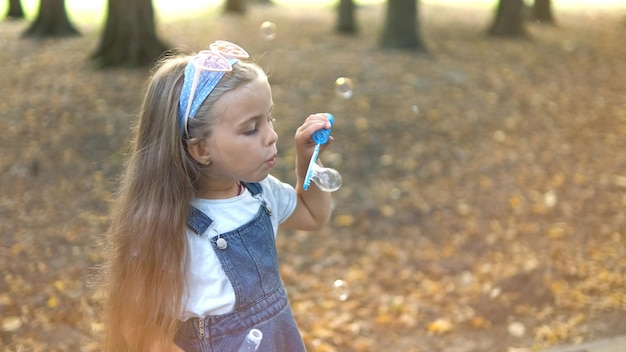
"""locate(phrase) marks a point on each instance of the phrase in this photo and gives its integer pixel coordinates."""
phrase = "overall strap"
(254, 188)
(198, 221)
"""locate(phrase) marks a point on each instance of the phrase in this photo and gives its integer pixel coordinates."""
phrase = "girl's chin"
(257, 178)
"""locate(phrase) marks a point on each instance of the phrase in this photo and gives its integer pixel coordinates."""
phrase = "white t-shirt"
(210, 291)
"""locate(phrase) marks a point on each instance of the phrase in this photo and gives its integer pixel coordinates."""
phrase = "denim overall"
(251, 264)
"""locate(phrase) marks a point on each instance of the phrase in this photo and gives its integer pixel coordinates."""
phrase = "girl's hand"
(313, 207)
(304, 143)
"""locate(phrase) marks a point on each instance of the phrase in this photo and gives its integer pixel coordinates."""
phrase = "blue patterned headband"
(202, 74)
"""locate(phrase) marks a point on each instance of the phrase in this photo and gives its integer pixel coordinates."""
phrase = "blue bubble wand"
(326, 179)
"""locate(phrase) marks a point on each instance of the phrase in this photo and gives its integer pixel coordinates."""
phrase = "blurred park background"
(484, 197)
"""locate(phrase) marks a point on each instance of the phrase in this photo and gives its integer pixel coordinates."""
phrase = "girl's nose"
(272, 137)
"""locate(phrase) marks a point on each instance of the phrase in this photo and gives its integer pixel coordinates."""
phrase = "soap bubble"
(268, 30)
(344, 88)
(340, 290)
(326, 179)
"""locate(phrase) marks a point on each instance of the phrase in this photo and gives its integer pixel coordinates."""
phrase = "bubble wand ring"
(327, 179)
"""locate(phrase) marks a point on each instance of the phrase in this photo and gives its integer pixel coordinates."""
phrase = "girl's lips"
(271, 161)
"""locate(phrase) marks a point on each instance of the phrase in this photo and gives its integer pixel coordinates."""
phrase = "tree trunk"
(401, 29)
(542, 12)
(129, 37)
(509, 20)
(15, 10)
(235, 6)
(51, 21)
(345, 22)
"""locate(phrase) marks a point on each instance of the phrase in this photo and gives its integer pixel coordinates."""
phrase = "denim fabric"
(251, 264)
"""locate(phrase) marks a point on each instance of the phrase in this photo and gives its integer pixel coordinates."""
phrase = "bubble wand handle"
(251, 342)
(311, 170)
(319, 137)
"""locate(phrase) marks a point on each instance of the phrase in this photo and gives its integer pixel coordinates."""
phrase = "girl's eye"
(255, 128)
(251, 132)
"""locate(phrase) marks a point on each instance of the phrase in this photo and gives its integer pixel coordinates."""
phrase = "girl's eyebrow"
(249, 120)
(255, 117)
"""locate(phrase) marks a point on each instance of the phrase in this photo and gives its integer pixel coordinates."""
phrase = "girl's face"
(242, 145)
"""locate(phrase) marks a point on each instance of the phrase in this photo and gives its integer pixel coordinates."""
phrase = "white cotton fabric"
(209, 290)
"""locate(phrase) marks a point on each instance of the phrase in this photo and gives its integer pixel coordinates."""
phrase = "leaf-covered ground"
(484, 197)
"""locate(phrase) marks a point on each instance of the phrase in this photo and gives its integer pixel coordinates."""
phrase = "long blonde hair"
(146, 250)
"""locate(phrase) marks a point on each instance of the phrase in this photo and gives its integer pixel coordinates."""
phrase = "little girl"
(192, 262)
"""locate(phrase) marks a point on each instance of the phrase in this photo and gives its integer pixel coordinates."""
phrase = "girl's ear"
(199, 150)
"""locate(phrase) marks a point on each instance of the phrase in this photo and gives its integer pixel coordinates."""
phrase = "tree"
(51, 21)
(15, 10)
(509, 20)
(129, 37)
(542, 12)
(235, 6)
(345, 21)
(401, 29)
